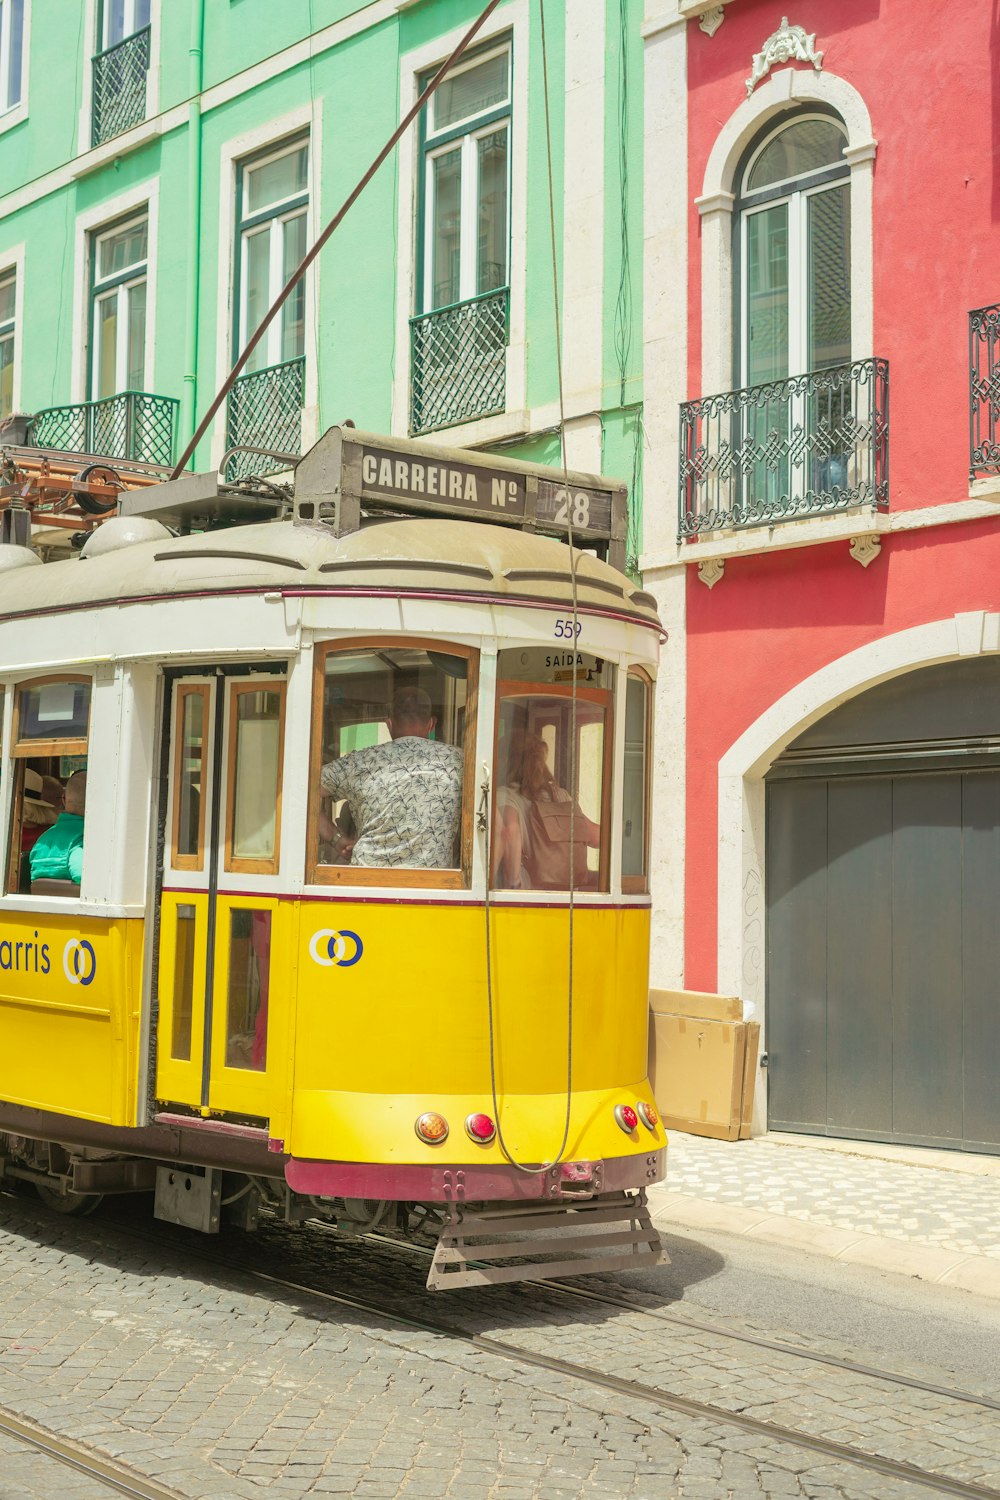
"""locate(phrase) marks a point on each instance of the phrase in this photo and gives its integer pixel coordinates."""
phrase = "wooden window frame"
(455, 879)
(605, 699)
(185, 690)
(638, 885)
(25, 749)
(236, 864)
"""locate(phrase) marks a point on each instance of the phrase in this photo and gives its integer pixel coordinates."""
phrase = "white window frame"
(13, 111)
(305, 121)
(467, 145)
(784, 87)
(510, 20)
(144, 197)
(119, 290)
(273, 227)
(798, 248)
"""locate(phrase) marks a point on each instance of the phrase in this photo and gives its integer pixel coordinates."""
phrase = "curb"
(979, 1274)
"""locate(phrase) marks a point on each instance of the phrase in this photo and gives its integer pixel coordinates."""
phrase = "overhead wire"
(573, 755)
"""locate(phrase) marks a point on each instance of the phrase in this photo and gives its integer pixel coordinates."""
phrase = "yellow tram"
(231, 1006)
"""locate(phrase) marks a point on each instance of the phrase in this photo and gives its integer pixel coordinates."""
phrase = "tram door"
(220, 935)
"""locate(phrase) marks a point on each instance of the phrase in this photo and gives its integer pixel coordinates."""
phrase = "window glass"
(293, 314)
(189, 812)
(635, 776)
(246, 1001)
(256, 726)
(11, 50)
(274, 181)
(447, 233)
(391, 764)
(49, 788)
(550, 815)
(124, 248)
(492, 238)
(7, 290)
(135, 377)
(183, 1004)
(829, 234)
(805, 146)
(471, 92)
(53, 710)
(767, 295)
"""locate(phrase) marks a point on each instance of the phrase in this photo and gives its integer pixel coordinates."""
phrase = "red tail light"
(480, 1128)
(626, 1117)
(432, 1128)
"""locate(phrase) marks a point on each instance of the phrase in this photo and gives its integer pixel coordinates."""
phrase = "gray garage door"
(883, 882)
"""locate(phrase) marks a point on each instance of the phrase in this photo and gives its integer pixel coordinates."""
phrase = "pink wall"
(775, 619)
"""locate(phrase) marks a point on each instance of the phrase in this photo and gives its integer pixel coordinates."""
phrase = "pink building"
(822, 223)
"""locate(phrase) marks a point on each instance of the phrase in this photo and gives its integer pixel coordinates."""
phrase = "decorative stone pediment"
(787, 44)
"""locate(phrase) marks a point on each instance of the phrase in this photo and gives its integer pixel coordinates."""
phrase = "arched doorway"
(883, 938)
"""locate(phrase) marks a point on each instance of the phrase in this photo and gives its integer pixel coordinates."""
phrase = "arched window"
(793, 251)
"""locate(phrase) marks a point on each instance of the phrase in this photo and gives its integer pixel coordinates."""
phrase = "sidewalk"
(916, 1212)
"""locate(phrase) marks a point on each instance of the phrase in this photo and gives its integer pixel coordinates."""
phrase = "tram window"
(189, 801)
(391, 796)
(545, 664)
(249, 980)
(551, 788)
(183, 1006)
(635, 781)
(51, 726)
(256, 724)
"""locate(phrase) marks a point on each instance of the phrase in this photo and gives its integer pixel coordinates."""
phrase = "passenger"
(58, 854)
(54, 792)
(405, 797)
(542, 836)
(37, 813)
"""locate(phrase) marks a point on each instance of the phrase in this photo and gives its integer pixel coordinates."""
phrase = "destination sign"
(406, 477)
(576, 507)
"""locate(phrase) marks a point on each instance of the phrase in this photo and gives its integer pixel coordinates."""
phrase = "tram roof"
(407, 556)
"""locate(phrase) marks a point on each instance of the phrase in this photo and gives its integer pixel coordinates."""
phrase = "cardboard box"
(694, 1003)
(703, 1074)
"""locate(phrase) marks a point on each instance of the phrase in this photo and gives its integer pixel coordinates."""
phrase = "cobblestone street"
(225, 1387)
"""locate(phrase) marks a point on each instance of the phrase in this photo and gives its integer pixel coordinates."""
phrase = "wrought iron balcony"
(132, 426)
(458, 360)
(984, 391)
(265, 412)
(810, 445)
(119, 100)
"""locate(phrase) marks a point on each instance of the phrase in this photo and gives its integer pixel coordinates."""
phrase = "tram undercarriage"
(568, 1228)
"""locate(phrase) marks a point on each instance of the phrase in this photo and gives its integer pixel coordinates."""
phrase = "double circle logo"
(79, 961)
(328, 948)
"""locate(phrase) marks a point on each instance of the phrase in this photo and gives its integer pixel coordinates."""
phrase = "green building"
(165, 163)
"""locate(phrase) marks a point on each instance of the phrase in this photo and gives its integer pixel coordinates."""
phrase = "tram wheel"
(62, 1201)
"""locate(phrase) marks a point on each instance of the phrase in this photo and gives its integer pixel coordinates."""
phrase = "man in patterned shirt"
(405, 796)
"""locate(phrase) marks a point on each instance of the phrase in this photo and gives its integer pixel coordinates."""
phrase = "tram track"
(650, 1396)
(113, 1477)
(736, 1335)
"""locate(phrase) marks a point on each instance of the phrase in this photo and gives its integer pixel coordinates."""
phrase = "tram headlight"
(432, 1128)
(647, 1114)
(480, 1128)
(626, 1117)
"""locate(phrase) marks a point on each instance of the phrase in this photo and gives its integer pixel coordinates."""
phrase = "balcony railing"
(458, 360)
(132, 426)
(806, 446)
(984, 391)
(265, 412)
(119, 100)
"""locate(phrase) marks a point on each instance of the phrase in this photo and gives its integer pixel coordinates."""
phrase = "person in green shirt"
(58, 853)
